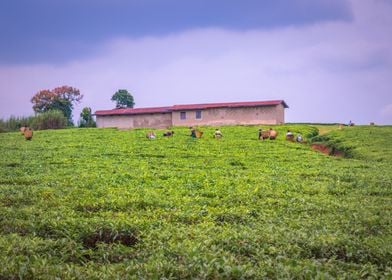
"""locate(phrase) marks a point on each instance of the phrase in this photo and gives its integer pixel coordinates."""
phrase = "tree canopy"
(123, 99)
(60, 98)
(86, 118)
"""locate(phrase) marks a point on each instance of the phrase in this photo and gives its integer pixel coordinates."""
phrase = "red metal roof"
(229, 105)
(134, 111)
(151, 110)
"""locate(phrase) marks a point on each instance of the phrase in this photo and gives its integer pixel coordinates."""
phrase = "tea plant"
(111, 204)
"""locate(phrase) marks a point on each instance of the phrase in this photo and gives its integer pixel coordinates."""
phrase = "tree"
(61, 98)
(123, 99)
(86, 118)
(53, 119)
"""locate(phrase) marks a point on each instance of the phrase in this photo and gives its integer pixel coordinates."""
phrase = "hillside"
(104, 204)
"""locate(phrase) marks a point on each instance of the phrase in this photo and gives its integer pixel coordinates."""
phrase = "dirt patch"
(107, 236)
(327, 150)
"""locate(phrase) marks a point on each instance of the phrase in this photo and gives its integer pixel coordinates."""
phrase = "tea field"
(112, 204)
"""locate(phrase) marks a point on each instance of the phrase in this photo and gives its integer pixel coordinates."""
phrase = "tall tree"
(123, 99)
(86, 118)
(60, 98)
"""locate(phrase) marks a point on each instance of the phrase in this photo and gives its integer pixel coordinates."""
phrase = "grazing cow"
(22, 129)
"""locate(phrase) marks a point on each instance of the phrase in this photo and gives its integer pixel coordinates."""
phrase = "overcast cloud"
(332, 69)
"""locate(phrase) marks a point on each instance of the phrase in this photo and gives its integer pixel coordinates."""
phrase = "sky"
(330, 60)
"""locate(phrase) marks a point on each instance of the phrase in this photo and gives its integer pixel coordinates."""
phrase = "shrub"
(86, 118)
(14, 123)
(312, 133)
(336, 145)
(49, 120)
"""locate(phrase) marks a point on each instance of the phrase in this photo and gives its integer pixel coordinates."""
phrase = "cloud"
(60, 31)
(328, 72)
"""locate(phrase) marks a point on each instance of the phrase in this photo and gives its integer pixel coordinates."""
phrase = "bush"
(86, 118)
(335, 144)
(312, 133)
(14, 123)
(49, 120)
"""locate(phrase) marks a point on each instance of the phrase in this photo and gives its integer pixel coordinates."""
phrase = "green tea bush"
(313, 132)
(112, 204)
(336, 145)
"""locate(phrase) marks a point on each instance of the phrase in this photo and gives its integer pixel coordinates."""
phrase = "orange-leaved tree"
(60, 98)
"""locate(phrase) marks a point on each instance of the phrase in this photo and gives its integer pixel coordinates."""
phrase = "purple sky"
(331, 61)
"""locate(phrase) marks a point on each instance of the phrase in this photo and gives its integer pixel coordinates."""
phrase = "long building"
(213, 114)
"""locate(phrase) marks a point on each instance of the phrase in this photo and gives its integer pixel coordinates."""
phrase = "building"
(214, 114)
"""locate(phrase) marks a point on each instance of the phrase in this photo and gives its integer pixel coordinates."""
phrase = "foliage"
(111, 204)
(14, 123)
(312, 132)
(86, 118)
(52, 119)
(363, 142)
(61, 98)
(123, 99)
(48, 120)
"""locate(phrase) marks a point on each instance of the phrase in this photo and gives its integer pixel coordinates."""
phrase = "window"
(198, 115)
(182, 115)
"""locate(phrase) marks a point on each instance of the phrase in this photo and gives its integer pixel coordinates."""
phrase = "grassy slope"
(369, 143)
(235, 207)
